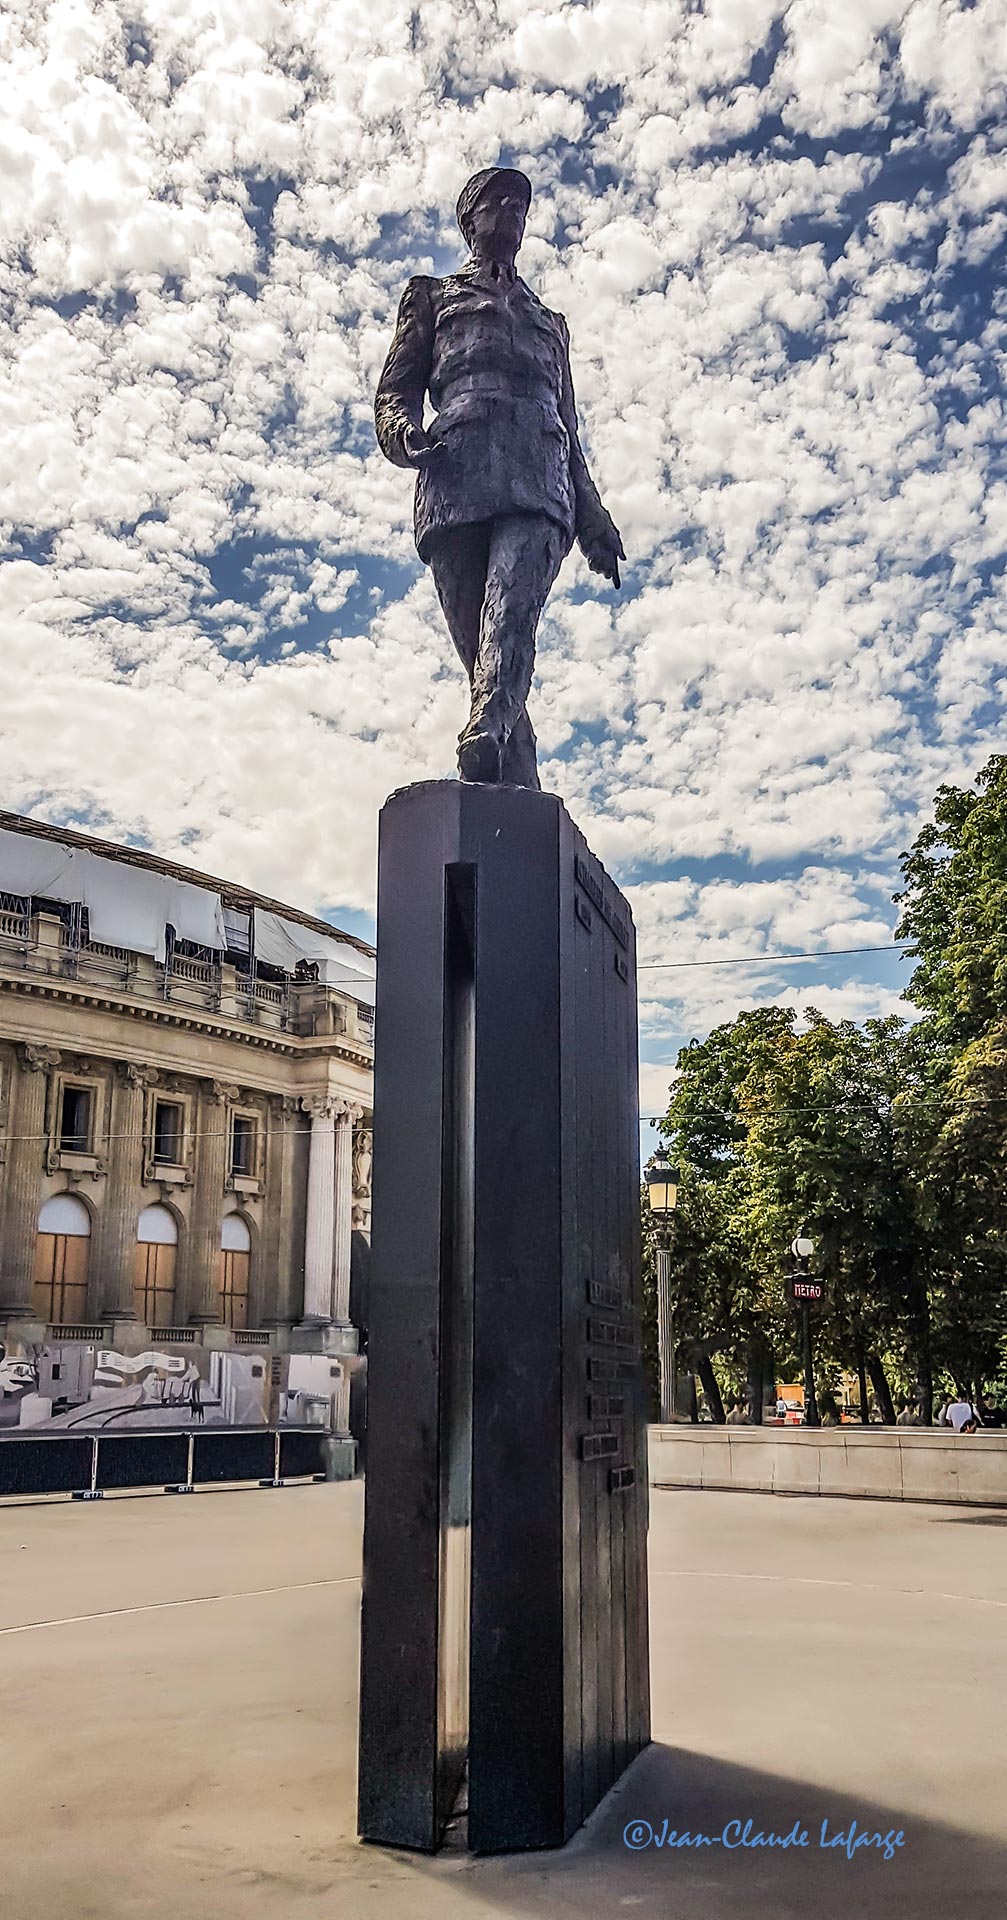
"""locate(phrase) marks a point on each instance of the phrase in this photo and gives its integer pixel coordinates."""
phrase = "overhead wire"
(770, 959)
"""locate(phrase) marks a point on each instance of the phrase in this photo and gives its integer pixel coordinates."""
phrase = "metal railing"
(265, 1003)
(95, 961)
(200, 972)
(182, 979)
(191, 982)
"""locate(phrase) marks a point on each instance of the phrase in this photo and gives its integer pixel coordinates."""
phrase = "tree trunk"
(865, 1412)
(756, 1382)
(924, 1357)
(882, 1391)
(925, 1392)
(704, 1366)
(691, 1400)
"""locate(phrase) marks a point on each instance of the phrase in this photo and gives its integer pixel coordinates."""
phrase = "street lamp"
(802, 1249)
(662, 1190)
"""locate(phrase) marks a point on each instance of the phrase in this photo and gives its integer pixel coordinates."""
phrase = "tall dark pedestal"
(505, 1597)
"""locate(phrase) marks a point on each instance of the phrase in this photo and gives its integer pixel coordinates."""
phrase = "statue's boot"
(518, 766)
(479, 758)
(482, 758)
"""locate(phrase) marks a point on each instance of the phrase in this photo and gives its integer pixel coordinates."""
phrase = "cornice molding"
(289, 1046)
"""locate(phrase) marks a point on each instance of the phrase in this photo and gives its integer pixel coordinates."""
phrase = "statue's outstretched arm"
(398, 403)
(597, 534)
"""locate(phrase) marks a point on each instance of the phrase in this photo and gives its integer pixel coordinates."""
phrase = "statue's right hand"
(420, 450)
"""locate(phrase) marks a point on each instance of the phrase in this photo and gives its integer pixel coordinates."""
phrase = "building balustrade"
(201, 972)
(45, 944)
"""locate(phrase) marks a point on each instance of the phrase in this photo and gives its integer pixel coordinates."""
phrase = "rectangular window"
(167, 1133)
(75, 1120)
(243, 1145)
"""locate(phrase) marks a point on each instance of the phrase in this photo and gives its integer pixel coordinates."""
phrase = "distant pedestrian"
(828, 1410)
(738, 1416)
(906, 1416)
(961, 1414)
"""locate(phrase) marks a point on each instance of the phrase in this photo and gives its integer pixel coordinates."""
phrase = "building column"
(23, 1184)
(363, 1155)
(202, 1240)
(319, 1230)
(274, 1287)
(343, 1221)
(111, 1279)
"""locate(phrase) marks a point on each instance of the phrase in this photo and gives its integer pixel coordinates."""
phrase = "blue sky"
(777, 233)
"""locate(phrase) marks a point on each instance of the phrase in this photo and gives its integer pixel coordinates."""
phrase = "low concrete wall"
(882, 1463)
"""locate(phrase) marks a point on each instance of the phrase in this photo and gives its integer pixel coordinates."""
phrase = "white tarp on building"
(127, 906)
(130, 907)
(282, 943)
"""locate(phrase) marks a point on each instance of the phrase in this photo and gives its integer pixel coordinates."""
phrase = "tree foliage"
(954, 910)
(886, 1142)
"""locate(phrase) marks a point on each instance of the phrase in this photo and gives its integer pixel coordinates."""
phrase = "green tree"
(954, 910)
(782, 1130)
(955, 1132)
(887, 1142)
(727, 1273)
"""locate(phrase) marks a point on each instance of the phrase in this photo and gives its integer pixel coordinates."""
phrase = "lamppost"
(662, 1190)
(802, 1249)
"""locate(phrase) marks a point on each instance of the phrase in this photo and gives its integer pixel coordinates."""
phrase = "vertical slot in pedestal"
(455, 1410)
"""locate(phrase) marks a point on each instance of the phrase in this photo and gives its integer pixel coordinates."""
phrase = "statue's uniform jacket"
(496, 365)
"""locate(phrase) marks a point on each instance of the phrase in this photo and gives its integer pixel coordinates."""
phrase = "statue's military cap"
(473, 190)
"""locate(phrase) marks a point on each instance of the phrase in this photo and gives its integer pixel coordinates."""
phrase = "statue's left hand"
(603, 549)
(420, 450)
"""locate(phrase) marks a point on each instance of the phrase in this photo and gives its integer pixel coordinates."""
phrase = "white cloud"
(211, 636)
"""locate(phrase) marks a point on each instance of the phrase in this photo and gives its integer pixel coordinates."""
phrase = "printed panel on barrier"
(81, 1387)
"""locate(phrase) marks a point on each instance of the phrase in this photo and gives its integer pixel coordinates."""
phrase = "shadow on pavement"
(971, 1519)
(939, 1869)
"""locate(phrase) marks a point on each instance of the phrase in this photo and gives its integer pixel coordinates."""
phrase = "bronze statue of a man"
(502, 486)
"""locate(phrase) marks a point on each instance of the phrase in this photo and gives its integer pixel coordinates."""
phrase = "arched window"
(235, 1262)
(62, 1245)
(154, 1267)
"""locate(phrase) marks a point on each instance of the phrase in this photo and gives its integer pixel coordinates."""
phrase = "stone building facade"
(185, 1104)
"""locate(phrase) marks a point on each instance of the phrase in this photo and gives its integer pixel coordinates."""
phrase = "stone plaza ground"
(179, 1700)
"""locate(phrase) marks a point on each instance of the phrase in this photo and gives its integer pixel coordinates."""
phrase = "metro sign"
(800, 1289)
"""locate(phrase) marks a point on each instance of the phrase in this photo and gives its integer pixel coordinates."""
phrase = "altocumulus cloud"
(777, 234)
